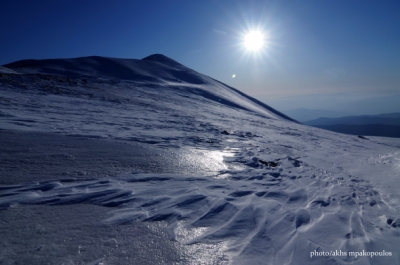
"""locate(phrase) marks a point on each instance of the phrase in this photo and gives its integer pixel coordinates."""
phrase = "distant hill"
(387, 124)
(387, 118)
(304, 114)
(365, 129)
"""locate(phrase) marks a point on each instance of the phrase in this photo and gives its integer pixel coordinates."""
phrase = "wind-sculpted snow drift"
(178, 168)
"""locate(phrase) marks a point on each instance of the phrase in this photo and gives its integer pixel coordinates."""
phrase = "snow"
(5, 70)
(116, 161)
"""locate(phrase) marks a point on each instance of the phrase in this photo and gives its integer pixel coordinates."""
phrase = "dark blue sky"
(316, 49)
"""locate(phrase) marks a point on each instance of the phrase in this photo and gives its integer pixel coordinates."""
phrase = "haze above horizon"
(315, 54)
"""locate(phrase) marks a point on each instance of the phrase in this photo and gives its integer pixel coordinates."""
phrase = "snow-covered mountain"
(154, 69)
(116, 161)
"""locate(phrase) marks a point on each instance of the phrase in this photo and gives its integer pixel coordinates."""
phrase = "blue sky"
(320, 54)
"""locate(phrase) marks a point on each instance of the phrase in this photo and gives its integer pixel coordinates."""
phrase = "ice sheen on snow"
(178, 168)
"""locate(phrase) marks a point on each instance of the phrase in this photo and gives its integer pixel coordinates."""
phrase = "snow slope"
(178, 168)
(154, 69)
(5, 70)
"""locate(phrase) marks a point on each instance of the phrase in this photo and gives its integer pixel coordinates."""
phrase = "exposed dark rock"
(268, 163)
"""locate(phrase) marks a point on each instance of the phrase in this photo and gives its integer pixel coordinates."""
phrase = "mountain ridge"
(155, 68)
(385, 124)
(161, 58)
(384, 118)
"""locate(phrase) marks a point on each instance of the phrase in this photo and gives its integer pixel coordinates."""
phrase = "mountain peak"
(160, 58)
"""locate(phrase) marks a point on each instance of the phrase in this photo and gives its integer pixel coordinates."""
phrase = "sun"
(254, 40)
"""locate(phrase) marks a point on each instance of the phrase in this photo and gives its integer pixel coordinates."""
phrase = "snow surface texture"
(114, 161)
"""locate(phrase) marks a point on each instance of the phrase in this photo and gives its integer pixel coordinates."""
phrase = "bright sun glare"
(254, 40)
